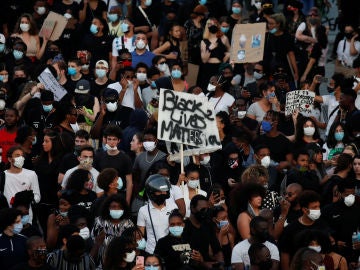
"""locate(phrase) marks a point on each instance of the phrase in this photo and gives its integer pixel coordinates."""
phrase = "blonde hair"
(206, 30)
(253, 173)
(280, 19)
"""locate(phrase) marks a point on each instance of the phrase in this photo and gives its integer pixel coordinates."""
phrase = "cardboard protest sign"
(301, 100)
(53, 26)
(247, 44)
(50, 83)
(187, 119)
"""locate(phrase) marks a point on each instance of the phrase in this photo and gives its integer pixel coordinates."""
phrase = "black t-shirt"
(279, 146)
(201, 239)
(61, 8)
(99, 47)
(96, 89)
(25, 266)
(171, 249)
(286, 242)
(276, 50)
(121, 162)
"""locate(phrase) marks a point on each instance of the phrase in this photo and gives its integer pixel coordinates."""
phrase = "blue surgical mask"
(116, 214)
(273, 31)
(176, 74)
(94, 29)
(125, 27)
(266, 126)
(2, 47)
(120, 183)
(100, 73)
(18, 228)
(202, 2)
(34, 141)
(71, 71)
(236, 10)
(141, 244)
(224, 29)
(223, 223)
(151, 267)
(339, 136)
(113, 17)
(47, 108)
(25, 219)
(18, 54)
(176, 230)
(153, 84)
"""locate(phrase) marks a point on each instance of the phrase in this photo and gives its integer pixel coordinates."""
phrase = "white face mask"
(19, 162)
(85, 67)
(68, 16)
(205, 160)
(309, 131)
(314, 214)
(109, 148)
(141, 77)
(111, 106)
(85, 233)
(349, 200)
(140, 44)
(193, 183)
(41, 10)
(265, 161)
(75, 127)
(163, 67)
(316, 248)
(257, 75)
(211, 87)
(149, 146)
(130, 256)
(258, 5)
(25, 27)
(2, 104)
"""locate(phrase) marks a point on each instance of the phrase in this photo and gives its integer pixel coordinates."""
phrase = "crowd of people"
(85, 183)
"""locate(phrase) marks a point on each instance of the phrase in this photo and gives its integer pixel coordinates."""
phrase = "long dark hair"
(300, 129)
(331, 142)
(57, 147)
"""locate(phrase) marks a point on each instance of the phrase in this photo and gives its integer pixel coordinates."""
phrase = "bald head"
(292, 192)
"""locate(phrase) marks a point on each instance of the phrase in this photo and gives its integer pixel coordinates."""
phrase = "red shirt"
(7, 140)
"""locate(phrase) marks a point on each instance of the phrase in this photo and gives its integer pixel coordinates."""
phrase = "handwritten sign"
(50, 83)
(247, 44)
(301, 100)
(188, 119)
(53, 26)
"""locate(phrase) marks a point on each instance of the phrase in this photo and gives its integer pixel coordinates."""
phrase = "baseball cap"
(102, 62)
(82, 87)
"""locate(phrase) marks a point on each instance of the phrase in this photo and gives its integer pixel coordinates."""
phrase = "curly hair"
(253, 173)
(105, 212)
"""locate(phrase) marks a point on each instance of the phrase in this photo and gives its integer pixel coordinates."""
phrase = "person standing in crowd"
(8, 132)
(12, 243)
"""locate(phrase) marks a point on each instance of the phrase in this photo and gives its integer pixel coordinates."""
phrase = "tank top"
(219, 51)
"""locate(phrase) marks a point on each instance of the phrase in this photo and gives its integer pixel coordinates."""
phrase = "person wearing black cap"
(111, 112)
(87, 106)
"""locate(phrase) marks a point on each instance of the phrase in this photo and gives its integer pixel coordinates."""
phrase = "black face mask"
(201, 216)
(265, 265)
(348, 35)
(213, 29)
(160, 199)
(330, 89)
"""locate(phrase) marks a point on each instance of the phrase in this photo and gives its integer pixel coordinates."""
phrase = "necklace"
(146, 157)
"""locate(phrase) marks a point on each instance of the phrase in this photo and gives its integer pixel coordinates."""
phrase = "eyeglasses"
(110, 101)
(161, 63)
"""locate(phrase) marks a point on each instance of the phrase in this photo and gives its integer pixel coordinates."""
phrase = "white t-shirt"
(16, 182)
(117, 45)
(129, 98)
(240, 252)
(160, 223)
(331, 103)
(343, 55)
(185, 192)
(301, 28)
(94, 175)
(222, 103)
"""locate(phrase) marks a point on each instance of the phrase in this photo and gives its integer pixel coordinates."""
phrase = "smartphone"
(140, 260)
(324, 79)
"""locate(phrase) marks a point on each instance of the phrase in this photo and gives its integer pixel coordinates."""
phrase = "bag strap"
(333, 111)
(152, 224)
(146, 16)
(2, 182)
